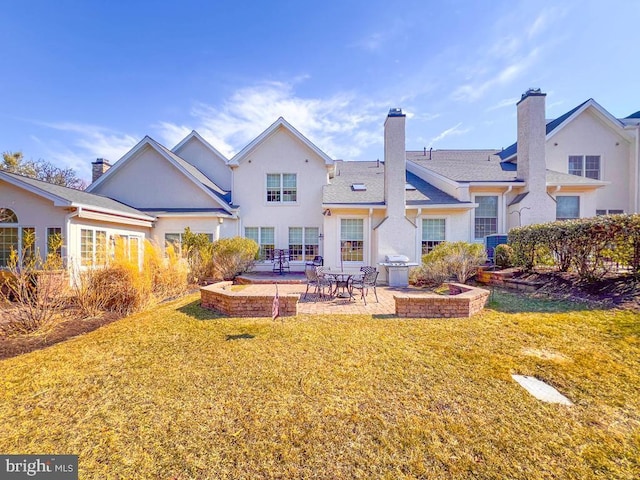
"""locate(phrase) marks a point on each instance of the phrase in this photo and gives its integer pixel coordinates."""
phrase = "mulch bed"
(13, 346)
(612, 291)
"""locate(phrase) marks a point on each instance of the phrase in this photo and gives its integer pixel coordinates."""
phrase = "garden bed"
(462, 301)
(227, 298)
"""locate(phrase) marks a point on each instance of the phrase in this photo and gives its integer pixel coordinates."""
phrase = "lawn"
(180, 393)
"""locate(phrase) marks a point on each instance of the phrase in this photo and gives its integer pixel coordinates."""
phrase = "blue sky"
(87, 79)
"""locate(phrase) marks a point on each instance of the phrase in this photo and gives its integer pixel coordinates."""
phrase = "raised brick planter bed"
(504, 278)
(469, 301)
(220, 297)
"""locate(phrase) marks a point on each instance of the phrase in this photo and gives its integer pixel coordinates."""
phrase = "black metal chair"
(281, 261)
(367, 281)
(316, 280)
(318, 261)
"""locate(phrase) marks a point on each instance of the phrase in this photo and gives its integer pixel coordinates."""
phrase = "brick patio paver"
(311, 305)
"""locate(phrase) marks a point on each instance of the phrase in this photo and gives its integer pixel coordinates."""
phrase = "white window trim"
(63, 246)
(94, 244)
(447, 229)
(260, 227)
(579, 197)
(281, 203)
(584, 164)
(366, 245)
(304, 228)
(500, 214)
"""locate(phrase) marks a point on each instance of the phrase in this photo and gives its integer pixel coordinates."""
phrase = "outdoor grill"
(397, 267)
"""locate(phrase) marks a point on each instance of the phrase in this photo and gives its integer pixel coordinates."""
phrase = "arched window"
(8, 216)
(8, 234)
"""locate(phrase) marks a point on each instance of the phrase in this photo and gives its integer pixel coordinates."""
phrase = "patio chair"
(367, 281)
(317, 281)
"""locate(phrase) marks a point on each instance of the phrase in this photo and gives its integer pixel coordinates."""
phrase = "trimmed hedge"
(590, 246)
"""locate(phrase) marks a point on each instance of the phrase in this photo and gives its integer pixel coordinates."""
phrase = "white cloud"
(342, 124)
(507, 102)
(455, 130)
(472, 92)
(96, 141)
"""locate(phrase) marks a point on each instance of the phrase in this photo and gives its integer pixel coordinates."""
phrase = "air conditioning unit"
(492, 241)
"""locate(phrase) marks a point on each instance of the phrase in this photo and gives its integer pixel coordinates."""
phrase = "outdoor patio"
(263, 283)
(250, 287)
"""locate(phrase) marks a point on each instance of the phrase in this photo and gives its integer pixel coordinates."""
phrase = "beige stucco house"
(284, 192)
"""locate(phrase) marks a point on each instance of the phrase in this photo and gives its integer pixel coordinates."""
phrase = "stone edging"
(219, 297)
(465, 301)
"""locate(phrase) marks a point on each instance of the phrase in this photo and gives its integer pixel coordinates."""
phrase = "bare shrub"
(35, 289)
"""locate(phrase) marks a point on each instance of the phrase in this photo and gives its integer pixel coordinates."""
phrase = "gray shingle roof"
(77, 197)
(371, 174)
(561, 178)
(466, 165)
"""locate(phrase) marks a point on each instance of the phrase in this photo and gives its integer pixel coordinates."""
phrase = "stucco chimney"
(99, 167)
(531, 140)
(395, 163)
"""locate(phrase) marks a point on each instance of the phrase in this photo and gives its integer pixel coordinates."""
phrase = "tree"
(14, 162)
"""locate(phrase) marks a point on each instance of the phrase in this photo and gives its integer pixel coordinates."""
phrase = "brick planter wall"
(243, 304)
(469, 301)
(504, 278)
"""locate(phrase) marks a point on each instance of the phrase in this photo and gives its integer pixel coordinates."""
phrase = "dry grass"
(181, 393)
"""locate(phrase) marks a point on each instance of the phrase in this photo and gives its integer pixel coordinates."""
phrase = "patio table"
(342, 280)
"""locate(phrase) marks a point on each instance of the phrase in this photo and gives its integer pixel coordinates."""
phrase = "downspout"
(419, 236)
(637, 173)
(67, 228)
(371, 236)
(504, 208)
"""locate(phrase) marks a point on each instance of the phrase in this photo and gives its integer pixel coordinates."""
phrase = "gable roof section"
(280, 123)
(203, 182)
(69, 197)
(198, 137)
(371, 174)
(554, 126)
(466, 165)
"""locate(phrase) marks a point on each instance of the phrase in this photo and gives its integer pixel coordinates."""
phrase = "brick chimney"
(531, 140)
(395, 163)
(99, 168)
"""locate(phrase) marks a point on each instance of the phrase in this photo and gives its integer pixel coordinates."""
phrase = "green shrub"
(198, 251)
(503, 256)
(589, 246)
(233, 256)
(459, 260)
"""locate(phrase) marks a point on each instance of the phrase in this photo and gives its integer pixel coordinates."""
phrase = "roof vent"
(358, 187)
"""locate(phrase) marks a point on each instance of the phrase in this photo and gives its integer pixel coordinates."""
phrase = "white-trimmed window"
(175, 239)
(567, 207)
(486, 216)
(433, 233)
(352, 239)
(130, 245)
(265, 237)
(93, 247)
(282, 187)
(54, 241)
(303, 243)
(613, 211)
(585, 166)
(15, 238)
(9, 239)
